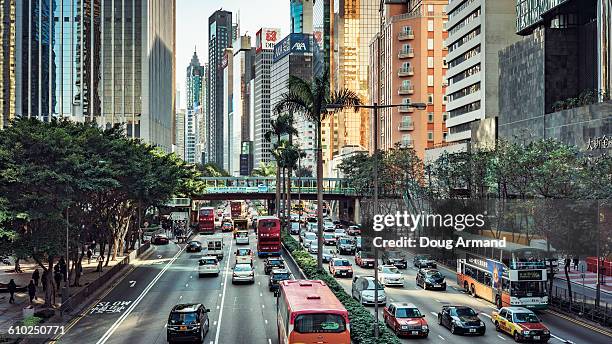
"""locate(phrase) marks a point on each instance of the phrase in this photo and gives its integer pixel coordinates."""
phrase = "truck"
(268, 236)
(236, 209)
(214, 247)
(240, 224)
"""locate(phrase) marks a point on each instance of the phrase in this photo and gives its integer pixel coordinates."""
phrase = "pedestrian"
(93, 247)
(576, 261)
(36, 277)
(89, 255)
(63, 268)
(32, 291)
(57, 276)
(44, 279)
(100, 262)
(12, 288)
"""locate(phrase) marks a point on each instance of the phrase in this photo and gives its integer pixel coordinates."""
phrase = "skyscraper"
(264, 54)
(243, 65)
(7, 60)
(193, 84)
(301, 16)
(99, 60)
(220, 31)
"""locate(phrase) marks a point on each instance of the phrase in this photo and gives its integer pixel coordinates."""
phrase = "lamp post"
(375, 107)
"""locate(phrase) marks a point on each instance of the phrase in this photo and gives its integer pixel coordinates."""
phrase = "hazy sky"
(192, 26)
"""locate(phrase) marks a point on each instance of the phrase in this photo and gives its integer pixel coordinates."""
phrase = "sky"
(192, 26)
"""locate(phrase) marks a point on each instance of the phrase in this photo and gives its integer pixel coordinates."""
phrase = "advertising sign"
(496, 269)
(295, 43)
(266, 38)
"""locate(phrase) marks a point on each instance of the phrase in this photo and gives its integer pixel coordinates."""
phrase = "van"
(214, 246)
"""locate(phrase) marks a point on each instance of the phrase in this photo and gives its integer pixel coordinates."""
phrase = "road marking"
(186, 285)
(577, 322)
(220, 294)
(439, 336)
(263, 306)
(266, 321)
(118, 322)
(500, 336)
(486, 315)
(438, 300)
(180, 297)
(227, 265)
(132, 284)
(214, 324)
(561, 339)
(434, 314)
(191, 276)
(269, 341)
(260, 294)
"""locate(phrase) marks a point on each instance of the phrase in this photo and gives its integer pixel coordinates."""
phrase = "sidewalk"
(590, 280)
(11, 313)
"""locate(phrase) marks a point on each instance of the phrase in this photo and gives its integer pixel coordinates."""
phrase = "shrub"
(362, 321)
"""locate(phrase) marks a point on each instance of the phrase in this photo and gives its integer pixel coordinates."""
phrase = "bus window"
(469, 271)
(319, 323)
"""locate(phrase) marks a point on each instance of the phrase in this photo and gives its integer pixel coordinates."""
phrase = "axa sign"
(295, 43)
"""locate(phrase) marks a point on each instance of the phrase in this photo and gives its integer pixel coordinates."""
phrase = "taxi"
(521, 323)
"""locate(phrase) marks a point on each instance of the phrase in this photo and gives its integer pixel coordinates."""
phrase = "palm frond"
(293, 103)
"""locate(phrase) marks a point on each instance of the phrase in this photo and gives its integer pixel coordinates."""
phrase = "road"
(430, 302)
(137, 312)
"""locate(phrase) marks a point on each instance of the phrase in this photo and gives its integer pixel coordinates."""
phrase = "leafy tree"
(264, 170)
(282, 125)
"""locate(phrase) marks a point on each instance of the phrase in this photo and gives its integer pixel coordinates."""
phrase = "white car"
(309, 238)
(242, 238)
(339, 233)
(243, 273)
(329, 226)
(313, 247)
(208, 265)
(389, 275)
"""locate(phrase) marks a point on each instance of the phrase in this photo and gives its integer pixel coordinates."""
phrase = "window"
(430, 136)
(430, 43)
(405, 84)
(430, 62)
(406, 101)
(444, 135)
(406, 29)
(406, 48)
(430, 98)
(430, 25)
(430, 117)
(430, 80)
(430, 8)
(406, 120)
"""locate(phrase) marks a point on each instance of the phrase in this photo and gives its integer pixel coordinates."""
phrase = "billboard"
(295, 43)
(266, 38)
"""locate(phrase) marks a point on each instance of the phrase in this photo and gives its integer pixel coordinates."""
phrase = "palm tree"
(264, 170)
(312, 100)
(289, 157)
(280, 126)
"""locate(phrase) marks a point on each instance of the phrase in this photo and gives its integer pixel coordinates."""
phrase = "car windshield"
(243, 252)
(311, 236)
(434, 274)
(371, 285)
(208, 261)
(462, 312)
(340, 231)
(183, 318)
(366, 255)
(407, 313)
(275, 262)
(525, 318)
(295, 225)
(329, 251)
(423, 258)
(390, 270)
(319, 323)
(280, 276)
(328, 236)
(242, 234)
(242, 267)
(194, 243)
(267, 223)
(345, 241)
(342, 262)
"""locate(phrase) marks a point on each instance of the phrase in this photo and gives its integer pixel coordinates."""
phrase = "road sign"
(582, 267)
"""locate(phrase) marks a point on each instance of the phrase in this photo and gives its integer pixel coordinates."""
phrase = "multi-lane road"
(137, 308)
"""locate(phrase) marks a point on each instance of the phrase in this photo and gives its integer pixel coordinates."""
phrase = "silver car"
(243, 273)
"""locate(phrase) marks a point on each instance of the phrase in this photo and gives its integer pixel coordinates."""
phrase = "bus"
(206, 220)
(268, 236)
(309, 312)
(515, 282)
(236, 208)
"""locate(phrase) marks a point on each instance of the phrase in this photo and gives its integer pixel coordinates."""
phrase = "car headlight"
(482, 323)
(404, 327)
(424, 327)
(546, 332)
(525, 332)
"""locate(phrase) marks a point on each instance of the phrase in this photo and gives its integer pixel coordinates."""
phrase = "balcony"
(406, 53)
(407, 143)
(405, 35)
(406, 71)
(406, 89)
(405, 126)
(406, 109)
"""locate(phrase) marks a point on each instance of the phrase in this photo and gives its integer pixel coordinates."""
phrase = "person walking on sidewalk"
(36, 277)
(100, 262)
(63, 268)
(12, 288)
(576, 262)
(44, 279)
(32, 291)
(57, 276)
(89, 255)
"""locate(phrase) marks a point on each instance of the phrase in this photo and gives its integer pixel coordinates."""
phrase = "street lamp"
(375, 106)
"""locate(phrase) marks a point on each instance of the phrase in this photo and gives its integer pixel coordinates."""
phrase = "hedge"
(362, 321)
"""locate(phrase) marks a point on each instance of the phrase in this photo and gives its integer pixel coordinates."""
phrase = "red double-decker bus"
(268, 236)
(206, 220)
(236, 208)
(309, 312)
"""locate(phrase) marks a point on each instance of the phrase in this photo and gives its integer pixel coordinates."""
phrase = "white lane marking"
(211, 342)
(438, 300)
(269, 341)
(129, 310)
(227, 266)
(132, 284)
(561, 339)
(486, 315)
(186, 285)
(260, 294)
(263, 306)
(220, 294)
(439, 336)
(500, 336)
(434, 314)
(180, 297)
(191, 276)
(266, 321)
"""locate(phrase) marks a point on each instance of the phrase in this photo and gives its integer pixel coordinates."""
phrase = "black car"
(194, 246)
(273, 263)
(396, 258)
(430, 279)
(346, 245)
(188, 322)
(424, 261)
(461, 320)
(276, 276)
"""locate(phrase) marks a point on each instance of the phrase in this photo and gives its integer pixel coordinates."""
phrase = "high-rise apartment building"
(227, 71)
(477, 31)
(179, 145)
(408, 66)
(195, 97)
(293, 57)
(201, 121)
(301, 16)
(322, 35)
(7, 60)
(105, 61)
(265, 40)
(220, 32)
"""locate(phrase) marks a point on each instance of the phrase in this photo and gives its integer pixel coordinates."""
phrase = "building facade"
(195, 97)
(220, 32)
(265, 39)
(408, 66)
(7, 60)
(301, 16)
(104, 61)
(293, 57)
(229, 125)
(179, 145)
(477, 31)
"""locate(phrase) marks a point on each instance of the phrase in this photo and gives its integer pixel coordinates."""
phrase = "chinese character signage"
(266, 38)
(601, 142)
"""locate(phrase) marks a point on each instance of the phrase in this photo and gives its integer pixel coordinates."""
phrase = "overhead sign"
(266, 38)
(295, 43)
